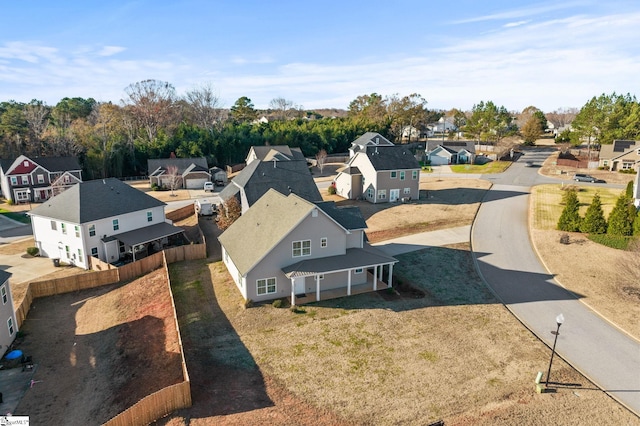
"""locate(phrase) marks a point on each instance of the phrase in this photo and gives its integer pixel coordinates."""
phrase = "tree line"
(152, 121)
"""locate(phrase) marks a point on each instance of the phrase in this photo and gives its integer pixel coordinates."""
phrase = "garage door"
(196, 183)
(438, 161)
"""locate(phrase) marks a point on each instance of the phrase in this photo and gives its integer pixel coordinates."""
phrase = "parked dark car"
(584, 178)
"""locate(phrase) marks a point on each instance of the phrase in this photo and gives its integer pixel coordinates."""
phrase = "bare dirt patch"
(166, 196)
(99, 351)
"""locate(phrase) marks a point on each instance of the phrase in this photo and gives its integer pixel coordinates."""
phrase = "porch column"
(349, 282)
(375, 278)
(317, 288)
(390, 275)
(293, 293)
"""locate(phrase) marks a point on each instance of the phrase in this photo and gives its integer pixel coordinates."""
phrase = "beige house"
(620, 155)
(287, 247)
(380, 174)
(188, 173)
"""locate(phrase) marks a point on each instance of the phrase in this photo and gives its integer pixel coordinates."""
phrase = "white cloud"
(111, 50)
(515, 24)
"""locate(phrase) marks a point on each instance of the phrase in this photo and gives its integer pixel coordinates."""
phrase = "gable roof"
(284, 176)
(4, 276)
(51, 164)
(262, 227)
(181, 163)
(453, 146)
(371, 138)
(617, 149)
(395, 157)
(277, 152)
(94, 200)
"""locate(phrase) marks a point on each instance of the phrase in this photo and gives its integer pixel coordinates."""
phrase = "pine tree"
(570, 218)
(621, 219)
(594, 221)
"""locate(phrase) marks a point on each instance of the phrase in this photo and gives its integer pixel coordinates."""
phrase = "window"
(80, 255)
(358, 271)
(382, 194)
(64, 228)
(66, 249)
(22, 196)
(40, 178)
(414, 175)
(25, 180)
(402, 175)
(3, 290)
(77, 229)
(116, 226)
(94, 251)
(394, 174)
(25, 163)
(627, 165)
(302, 248)
(323, 242)
(54, 226)
(266, 286)
(149, 216)
(407, 191)
(605, 163)
(370, 193)
(14, 180)
(10, 326)
(92, 231)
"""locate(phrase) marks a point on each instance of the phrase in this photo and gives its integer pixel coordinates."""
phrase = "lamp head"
(560, 319)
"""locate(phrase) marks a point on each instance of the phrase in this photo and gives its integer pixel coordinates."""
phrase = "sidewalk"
(422, 240)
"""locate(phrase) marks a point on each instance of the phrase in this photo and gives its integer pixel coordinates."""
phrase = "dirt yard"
(97, 352)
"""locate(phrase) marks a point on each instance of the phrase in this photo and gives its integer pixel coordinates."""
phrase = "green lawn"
(488, 168)
(20, 217)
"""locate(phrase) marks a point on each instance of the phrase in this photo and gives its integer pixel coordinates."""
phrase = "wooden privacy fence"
(181, 213)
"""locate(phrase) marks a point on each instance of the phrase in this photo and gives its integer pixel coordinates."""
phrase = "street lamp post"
(29, 197)
(559, 321)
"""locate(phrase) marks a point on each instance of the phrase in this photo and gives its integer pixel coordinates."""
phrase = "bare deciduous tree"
(281, 107)
(152, 105)
(173, 178)
(321, 159)
(203, 106)
(36, 114)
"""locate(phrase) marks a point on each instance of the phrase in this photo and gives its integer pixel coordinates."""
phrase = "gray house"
(7, 314)
(450, 152)
(380, 174)
(189, 173)
(286, 246)
(286, 177)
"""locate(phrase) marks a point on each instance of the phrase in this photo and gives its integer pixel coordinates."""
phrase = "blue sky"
(324, 54)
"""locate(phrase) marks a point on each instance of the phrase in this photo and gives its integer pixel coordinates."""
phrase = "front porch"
(336, 293)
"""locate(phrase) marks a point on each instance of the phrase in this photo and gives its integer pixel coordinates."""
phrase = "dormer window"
(26, 164)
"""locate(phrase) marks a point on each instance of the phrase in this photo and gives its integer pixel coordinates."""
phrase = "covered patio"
(369, 259)
(142, 242)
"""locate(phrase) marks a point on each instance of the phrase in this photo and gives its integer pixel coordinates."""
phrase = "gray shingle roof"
(284, 176)
(349, 217)
(4, 276)
(181, 163)
(94, 200)
(260, 228)
(286, 152)
(395, 157)
(455, 146)
(58, 164)
(371, 138)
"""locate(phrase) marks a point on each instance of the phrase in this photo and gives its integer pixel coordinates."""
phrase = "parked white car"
(208, 186)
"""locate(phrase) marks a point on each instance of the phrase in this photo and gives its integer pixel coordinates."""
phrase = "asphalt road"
(508, 263)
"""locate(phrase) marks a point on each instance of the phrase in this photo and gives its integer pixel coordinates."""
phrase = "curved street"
(508, 264)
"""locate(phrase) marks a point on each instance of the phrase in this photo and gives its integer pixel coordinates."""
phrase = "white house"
(7, 314)
(636, 189)
(103, 218)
